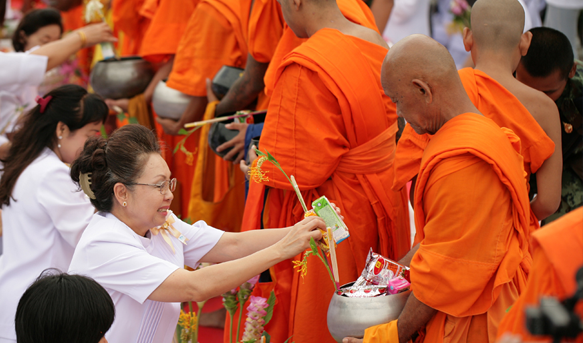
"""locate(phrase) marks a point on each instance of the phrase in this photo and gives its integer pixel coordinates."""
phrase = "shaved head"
(420, 76)
(497, 24)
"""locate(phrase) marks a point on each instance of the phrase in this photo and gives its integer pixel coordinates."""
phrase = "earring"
(59, 145)
(124, 204)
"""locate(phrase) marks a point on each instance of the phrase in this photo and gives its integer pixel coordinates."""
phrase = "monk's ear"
(423, 89)
(468, 39)
(573, 70)
(524, 44)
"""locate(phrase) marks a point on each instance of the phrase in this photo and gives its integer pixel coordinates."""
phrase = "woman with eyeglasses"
(136, 248)
(43, 212)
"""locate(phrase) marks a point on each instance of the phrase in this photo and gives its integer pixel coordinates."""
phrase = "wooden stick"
(219, 119)
(262, 339)
(117, 109)
(331, 244)
(297, 189)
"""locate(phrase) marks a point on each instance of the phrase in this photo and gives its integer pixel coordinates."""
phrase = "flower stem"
(230, 328)
(239, 322)
(325, 261)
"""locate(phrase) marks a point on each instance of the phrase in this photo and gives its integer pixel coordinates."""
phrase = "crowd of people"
(459, 156)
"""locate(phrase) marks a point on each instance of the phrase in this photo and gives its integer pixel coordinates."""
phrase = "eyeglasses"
(164, 185)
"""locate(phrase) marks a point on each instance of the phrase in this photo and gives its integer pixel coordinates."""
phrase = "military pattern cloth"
(570, 105)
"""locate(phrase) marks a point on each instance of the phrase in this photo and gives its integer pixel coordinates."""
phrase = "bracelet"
(83, 38)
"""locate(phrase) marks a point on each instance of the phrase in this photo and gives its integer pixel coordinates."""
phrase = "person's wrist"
(83, 38)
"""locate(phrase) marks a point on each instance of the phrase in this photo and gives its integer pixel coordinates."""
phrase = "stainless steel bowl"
(168, 102)
(349, 317)
(121, 78)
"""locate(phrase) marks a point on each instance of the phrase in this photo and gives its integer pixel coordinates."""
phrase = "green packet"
(324, 210)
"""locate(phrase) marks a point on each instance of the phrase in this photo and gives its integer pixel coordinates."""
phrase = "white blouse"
(43, 223)
(131, 267)
(20, 76)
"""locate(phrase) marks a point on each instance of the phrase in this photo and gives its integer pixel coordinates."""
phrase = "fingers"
(210, 95)
(234, 152)
(351, 340)
(244, 168)
(337, 209)
(313, 223)
(226, 145)
(236, 126)
(252, 154)
(240, 156)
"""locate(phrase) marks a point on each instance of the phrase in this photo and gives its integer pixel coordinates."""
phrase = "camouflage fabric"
(570, 105)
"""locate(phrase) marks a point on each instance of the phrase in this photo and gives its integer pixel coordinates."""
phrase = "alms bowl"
(121, 78)
(349, 317)
(168, 102)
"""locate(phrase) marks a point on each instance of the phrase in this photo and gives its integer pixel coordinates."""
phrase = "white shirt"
(407, 17)
(131, 267)
(42, 225)
(20, 76)
(567, 4)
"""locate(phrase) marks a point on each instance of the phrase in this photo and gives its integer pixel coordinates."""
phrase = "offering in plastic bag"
(398, 285)
(363, 292)
(380, 270)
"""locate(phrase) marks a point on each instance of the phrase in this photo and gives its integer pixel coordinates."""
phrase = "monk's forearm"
(194, 111)
(161, 74)
(406, 260)
(244, 90)
(414, 316)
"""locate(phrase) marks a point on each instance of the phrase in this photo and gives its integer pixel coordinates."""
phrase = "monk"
(133, 25)
(471, 205)
(268, 53)
(556, 257)
(336, 134)
(496, 43)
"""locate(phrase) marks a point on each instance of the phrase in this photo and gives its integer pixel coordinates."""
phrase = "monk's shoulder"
(366, 34)
(541, 107)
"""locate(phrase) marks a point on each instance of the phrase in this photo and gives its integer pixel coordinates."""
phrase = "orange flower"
(255, 172)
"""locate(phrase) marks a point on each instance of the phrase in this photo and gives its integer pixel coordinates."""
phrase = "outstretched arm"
(381, 9)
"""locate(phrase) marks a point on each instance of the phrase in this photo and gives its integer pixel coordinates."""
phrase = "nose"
(168, 196)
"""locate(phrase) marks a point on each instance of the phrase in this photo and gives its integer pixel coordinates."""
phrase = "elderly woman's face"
(42, 36)
(146, 205)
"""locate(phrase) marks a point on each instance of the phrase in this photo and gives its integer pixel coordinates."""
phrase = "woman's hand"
(118, 104)
(97, 33)
(298, 238)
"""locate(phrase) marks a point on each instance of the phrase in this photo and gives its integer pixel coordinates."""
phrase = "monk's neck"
(330, 18)
(497, 66)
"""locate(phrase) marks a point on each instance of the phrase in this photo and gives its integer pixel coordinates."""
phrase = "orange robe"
(330, 125)
(166, 28)
(471, 215)
(73, 19)
(133, 25)
(354, 10)
(557, 255)
(216, 36)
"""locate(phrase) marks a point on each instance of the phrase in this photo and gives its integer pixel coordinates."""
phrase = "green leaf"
(270, 157)
(287, 340)
(269, 310)
(133, 120)
(121, 116)
(267, 337)
(176, 148)
(102, 131)
(259, 152)
(182, 132)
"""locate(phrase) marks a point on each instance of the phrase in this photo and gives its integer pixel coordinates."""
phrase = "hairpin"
(85, 183)
(43, 102)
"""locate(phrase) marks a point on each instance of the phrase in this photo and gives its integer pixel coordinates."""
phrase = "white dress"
(407, 17)
(20, 76)
(42, 225)
(131, 267)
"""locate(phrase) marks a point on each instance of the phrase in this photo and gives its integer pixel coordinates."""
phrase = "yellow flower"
(189, 158)
(255, 172)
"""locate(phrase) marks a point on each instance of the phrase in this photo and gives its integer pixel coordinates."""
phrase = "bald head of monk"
(497, 28)
(420, 76)
(304, 17)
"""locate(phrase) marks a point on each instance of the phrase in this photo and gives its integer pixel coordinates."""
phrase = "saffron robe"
(495, 102)
(357, 11)
(218, 186)
(132, 25)
(330, 125)
(472, 218)
(166, 28)
(557, 255)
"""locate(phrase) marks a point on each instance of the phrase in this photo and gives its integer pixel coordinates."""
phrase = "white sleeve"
(22, 69)
(126, 268)
(201, 239)
(69, 209)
